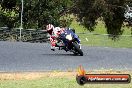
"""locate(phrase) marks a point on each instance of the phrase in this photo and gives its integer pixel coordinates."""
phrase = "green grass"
(55, 83)
(102, 40)
(98, 40)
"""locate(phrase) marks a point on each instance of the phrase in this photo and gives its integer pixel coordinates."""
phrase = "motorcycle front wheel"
(77, 49)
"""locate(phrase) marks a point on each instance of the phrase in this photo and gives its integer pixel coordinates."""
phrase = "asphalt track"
(19, 56)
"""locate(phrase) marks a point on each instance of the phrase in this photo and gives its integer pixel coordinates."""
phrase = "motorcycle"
(69, 41)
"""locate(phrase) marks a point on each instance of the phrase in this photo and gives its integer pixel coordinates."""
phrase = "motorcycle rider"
(54, 34)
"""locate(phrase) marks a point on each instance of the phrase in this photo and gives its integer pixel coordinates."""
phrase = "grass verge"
(102, 40)
(52, 80)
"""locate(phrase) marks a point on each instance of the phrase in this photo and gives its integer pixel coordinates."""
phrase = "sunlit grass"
(89, 39)
(55, 83)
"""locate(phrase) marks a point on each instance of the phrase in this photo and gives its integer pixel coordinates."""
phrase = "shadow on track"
(58, 54)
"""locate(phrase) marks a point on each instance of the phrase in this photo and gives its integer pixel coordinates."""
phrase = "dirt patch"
(37, 75)
(34, 75)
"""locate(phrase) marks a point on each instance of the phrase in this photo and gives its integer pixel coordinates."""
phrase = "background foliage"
(38, 13)
(112, 12)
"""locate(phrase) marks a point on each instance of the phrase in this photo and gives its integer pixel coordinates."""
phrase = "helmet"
(49, 28)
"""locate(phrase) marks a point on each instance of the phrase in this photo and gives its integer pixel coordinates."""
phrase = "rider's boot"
(53, 48)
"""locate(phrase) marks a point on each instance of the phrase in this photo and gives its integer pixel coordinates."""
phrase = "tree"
(41, 12)
(8, 4)
(112, 11)
(37, 13)
(9, 13)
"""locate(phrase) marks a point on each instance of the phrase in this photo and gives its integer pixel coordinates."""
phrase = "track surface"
(18, 56)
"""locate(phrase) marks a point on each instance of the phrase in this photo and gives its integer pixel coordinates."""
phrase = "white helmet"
(49, 28)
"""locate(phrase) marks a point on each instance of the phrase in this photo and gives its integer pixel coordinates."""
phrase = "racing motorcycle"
(69, 41)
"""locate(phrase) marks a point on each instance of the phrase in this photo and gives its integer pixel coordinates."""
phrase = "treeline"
(38, 13)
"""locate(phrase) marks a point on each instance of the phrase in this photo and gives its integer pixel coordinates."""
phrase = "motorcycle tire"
(76, 46)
